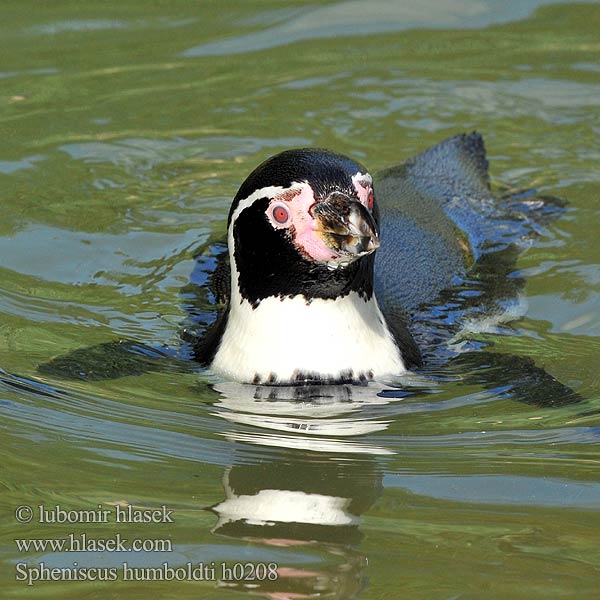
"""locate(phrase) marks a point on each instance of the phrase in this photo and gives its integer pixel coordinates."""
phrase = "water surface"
(126, 130)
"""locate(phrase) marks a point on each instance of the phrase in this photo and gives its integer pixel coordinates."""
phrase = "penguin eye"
(280, 214)
(370, 200)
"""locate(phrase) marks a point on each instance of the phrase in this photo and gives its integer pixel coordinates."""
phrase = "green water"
(126, 129)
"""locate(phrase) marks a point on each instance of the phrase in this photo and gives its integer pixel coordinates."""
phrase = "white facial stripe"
(361, 181)
(298, 198)
(267, 192)
(271, 192)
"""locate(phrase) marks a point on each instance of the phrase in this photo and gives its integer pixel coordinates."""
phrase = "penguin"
(332, 276)
(326, 262)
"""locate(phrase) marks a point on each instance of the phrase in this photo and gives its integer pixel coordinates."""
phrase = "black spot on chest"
(302, 378)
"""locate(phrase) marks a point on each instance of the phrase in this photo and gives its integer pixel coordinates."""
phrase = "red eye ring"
(370, 200)
(281, 214)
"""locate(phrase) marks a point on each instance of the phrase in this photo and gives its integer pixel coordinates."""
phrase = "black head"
(304, 222)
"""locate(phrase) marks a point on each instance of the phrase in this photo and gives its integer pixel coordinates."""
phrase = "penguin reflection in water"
(332, 276)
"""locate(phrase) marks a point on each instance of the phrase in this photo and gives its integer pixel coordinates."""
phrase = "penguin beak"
(346, 226)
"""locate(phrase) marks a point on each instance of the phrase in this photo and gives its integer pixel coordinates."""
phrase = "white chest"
(283, 341)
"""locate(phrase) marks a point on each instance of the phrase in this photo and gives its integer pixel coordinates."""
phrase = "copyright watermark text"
(111, 514)
(31, 572)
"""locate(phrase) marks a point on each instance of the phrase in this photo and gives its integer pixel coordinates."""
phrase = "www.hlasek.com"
(32, 573)
(82, 543)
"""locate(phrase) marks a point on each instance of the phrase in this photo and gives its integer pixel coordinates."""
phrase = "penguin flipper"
(205, 346)
(514, 376)
(112, 360)
(207, 302)
(398, 324)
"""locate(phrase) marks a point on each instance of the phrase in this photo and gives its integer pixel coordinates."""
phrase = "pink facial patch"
(298, 200)
(363, 184)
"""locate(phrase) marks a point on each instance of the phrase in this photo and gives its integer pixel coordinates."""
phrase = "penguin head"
(304, 222)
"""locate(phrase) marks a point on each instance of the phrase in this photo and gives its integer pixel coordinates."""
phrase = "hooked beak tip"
(347, 227)
(373, 244)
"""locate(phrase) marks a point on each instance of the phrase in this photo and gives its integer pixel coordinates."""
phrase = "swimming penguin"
(302, 231)
(326, 263)
(340, 277)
